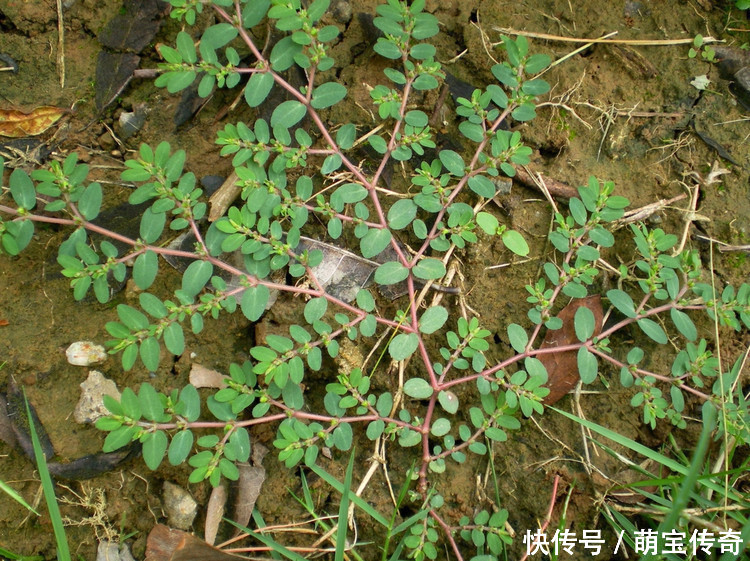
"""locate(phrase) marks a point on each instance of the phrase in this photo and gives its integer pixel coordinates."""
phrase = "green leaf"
(518, 337)
(535, 87)
(403, 346)
(196, 276)
(152, 305)
(152, 225)
(536, 63)
(374, 242)
(315, 309)
(185, 47)
(453, 162)
(283, 53)
(448, 401)
(131, 406)
(331, 164)
(401, 214)
(386, 48)
(684, 324)
(154, 448)
(132, 318)
(390, 272)
(487, 222)
(328, 94)
(622, 301)
(287, 114)
(118, 438)
(180, 447)
(258, 88)
(378, 144)
(150, 351)
(440, 427)
(91, 201)
(219, 35)
(342, 437)
(418, 388)
(254, 301)
(433, 319)
(190, 403)
(584, 323)
(145, 268)
(482, 186)
(174, 339)
(346, 136)
(429, 269)
(653, 330)
(515, 242)
(22, 189)
(587, 365)
(240, 441)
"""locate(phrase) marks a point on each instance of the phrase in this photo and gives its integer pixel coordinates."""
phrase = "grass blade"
(13, 494)
(63, 553)
(344, 511)
(361, 503)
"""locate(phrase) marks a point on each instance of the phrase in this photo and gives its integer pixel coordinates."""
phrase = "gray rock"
(179, 506)
(91, 404)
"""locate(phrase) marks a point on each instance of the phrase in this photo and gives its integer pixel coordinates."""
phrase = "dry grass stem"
(60, 44)
(642, 42)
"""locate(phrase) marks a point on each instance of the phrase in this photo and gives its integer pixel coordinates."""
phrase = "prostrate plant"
(446, 213)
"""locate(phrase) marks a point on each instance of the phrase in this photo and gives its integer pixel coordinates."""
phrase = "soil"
(618, 112)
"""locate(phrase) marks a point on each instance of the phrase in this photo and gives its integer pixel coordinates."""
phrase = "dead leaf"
(113, 73)
(202, 377)
(562, 368)
(134, 27)
(249, 484)
(17, 124)
(214, 513)
(167, 544)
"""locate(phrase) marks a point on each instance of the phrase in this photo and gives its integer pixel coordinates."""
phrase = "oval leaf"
(403, 345)
(418, 388)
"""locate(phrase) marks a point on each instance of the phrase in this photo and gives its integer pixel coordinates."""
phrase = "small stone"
(91, 404)
(112, 551)
(180, 507)
(85, 353)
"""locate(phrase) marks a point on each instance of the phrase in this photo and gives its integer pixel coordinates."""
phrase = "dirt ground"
(626, 113)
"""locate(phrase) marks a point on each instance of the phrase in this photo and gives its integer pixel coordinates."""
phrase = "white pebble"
(85, 353)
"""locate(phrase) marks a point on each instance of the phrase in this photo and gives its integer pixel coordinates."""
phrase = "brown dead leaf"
(562, 368)
(167, 544)
(215, 512)
(17, 124)
(249, 484)
(202, 377)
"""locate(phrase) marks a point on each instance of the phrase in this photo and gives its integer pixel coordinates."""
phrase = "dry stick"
(554, 187)
(60, 44)
(642, 42)
(723, 246)
(225, 195)
(578, 50)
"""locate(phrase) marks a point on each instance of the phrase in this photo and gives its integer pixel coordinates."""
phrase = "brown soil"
(620, 113)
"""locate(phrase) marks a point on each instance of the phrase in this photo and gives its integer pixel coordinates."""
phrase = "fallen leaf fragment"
(202, 377)
(249, 485)
(215, 512)
(167, 544)
(17, 124)
(562, 368)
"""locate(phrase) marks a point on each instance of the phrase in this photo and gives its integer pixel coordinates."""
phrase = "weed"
(287, 177)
